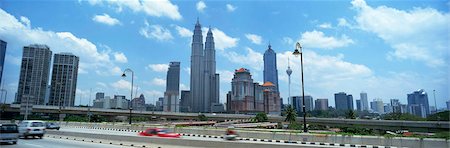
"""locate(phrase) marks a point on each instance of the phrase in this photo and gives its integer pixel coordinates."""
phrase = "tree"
(350, 114)
(202, 117)
(402, 116)
(440, 116)
(291, 114)
(261, 117)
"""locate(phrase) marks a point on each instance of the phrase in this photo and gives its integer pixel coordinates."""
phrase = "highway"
(57, 143)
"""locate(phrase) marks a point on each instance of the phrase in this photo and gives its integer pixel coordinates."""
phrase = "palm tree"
(291, 114)
(351, 114)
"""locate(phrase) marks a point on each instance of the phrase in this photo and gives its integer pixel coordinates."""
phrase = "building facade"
(272, 101)
(364, 101)
(34, 74)
(2, 58)
(242, 95)
(171, 96)
(297, 103)
(139, 103)
(377, 106)
(321, 104)
(419, 98)
(204, 83)
(343, 101)
(185, 100)
(64, 80)
(358, 105)
(270, 67)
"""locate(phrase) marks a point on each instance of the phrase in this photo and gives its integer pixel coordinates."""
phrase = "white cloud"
(325, 26)
(252, 59)
(121, 85)
(158, 67)
(157, 8)
(288, 40)
(184, 87)
(342, 22)
(420, 34)
(19, 34)
(255, 39)
(25, 21)
(106, 19)
(159, 82)
(201, 6)
(226, 76)
(120, 57)
(317, 39)
(230, 8)
(183, 32)
(221, 40)
(153, 94)
(101, 84)
(187, 70)
(155, 32)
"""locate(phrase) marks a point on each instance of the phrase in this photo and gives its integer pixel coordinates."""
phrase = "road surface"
(57, 143)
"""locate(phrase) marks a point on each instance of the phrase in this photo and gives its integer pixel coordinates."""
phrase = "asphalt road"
(56, 143)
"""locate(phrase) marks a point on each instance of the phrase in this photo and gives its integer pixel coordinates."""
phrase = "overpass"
(425, 126)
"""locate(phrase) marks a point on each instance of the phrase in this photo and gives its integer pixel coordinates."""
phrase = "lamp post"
(298, 51)
(131, 94)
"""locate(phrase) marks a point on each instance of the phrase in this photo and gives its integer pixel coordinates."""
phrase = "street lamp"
(298, 51)
(131, 94)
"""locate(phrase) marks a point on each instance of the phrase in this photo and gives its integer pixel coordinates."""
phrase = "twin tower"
(204, 83)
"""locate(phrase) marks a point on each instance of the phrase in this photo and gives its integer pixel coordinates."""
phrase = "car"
(33, 128)
(159, 132)
(51, 125)
(9, 133)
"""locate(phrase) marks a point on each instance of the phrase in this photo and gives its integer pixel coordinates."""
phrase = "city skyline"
(343, 52)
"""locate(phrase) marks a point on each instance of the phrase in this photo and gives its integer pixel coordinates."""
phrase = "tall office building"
(343, 101)
(138, 103)
(377, 106)
(448, 105)
(99, 95)
(358, 105)
(364, 102)
(270, 67)
(64, 79)
(184, 101)
(321, 104)
(419, 98)
(297, 103)
(2, 59)
(171, 96)
(34, 74)
(204, 79)
(396, 106)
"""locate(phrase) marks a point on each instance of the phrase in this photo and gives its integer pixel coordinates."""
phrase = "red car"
(160, 132)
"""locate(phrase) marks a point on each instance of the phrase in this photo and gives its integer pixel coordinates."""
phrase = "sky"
(385, 48)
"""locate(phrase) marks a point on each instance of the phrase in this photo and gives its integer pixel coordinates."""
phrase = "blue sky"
(384, 48)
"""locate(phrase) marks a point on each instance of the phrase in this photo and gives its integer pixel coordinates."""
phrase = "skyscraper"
(419, 98)
(270, 67)
(64, 79)
(321, 104)
(171, 96)
(34, 74)
(358, 105)
(364, 102)
(343, 101)
(2, 58)
(138, 103)
(297, 103)
(377, 106)
(204, 79)
(184, 101)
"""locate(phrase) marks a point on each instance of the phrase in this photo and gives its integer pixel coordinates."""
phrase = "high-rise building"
(2, 58)
(270, 67)
(343, 101)
(448, 105)
(204, 79)
(387, 108)
(171, 96)
(419, 98)
(418, 110)
(184, 101)
(272, 104)
(364, 102)
(396, 106)
(138, 103)
(358, 105)
(99, 95)
(159, 104)
(258, 93)
(120, 102)
(242, 95)
(297, 103)
(34, 74)
(321, 104)
(64, 79)
(377, 106)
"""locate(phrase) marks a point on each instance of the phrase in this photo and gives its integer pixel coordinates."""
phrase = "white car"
(32, 128)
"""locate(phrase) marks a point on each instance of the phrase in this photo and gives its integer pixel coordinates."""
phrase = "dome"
(268, 84)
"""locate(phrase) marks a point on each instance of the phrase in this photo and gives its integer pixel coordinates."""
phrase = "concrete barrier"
(173, 141)
(305, 137)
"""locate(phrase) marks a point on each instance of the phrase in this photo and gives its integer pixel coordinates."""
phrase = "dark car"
(51, 125)
(159, 132)
(9, 133)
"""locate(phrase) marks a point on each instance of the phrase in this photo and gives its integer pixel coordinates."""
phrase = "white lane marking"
(32, 145)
